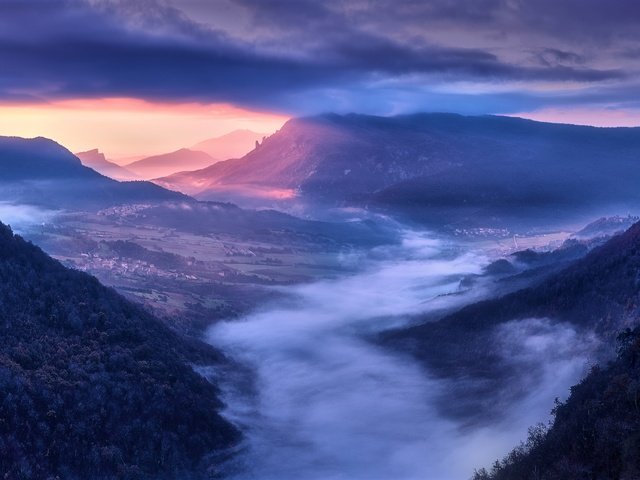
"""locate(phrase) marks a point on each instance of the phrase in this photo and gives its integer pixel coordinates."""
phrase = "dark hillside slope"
(91, 386)
(595, 434)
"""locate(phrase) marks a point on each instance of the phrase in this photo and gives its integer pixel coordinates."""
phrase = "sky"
(145, 76)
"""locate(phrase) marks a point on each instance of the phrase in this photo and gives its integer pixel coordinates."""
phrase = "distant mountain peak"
(168, 163)
(96, 160)
(94, 154)
(234, 144)
(45, 158)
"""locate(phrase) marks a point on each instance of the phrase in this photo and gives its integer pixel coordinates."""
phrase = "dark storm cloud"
(75, 50)
(52, 49)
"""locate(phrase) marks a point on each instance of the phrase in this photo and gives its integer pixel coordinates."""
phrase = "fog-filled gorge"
(324, 401)
(303, 240)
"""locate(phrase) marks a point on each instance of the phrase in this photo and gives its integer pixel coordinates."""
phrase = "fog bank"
(325, 403)
(21, 217)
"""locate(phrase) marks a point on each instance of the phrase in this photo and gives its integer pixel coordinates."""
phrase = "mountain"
(435, 165)
(232, 145)
(606, 226)
(97, 161)
(40, 171)
(92, 386)
(598, 293)
(169, 163)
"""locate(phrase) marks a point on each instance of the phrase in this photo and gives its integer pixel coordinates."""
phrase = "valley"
(193, 274)
(194, 277)
(303, 240)
(333, 318)
(315, 358)
(364, 327)
(310, 302)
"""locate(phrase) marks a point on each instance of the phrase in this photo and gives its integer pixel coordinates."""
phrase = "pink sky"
(122, 127)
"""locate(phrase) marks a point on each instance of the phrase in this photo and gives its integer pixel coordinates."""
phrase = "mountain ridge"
(422, 163)
(169, 163)
(234, 144)
(42, 172)
(96, 160)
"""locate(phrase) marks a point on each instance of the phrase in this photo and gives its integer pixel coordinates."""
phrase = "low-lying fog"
(21, 216)
(329, 404)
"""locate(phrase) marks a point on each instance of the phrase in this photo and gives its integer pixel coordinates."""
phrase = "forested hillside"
(91, 386)
(595, 433)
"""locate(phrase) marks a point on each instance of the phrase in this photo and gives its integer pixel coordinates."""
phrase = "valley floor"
(318, 398)
(312, 388)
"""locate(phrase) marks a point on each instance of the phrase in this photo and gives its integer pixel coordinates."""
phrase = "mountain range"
(40, 171)
(63, 329)
(231, 145)
(203, 154)
(97, 161)
(168, 163)
(433, 166)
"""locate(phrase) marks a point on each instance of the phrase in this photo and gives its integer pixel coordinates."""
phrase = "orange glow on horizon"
(125, 127)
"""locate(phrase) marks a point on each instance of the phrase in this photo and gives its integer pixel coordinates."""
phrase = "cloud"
(291, 55)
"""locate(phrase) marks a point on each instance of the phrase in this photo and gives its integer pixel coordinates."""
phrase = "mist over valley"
(339, 240)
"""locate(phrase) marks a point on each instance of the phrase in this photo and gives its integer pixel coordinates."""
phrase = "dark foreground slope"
(595, 434)
(42, 172)
(91, 386)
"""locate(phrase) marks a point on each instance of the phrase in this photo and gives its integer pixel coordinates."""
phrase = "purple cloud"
(301, 55)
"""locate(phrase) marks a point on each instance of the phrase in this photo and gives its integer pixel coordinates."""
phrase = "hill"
(231, 145)
(598, 293)
(92, 386)
(435, 166)
(607, 226)
(40, 171)
(168, 163)
(97, 161)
